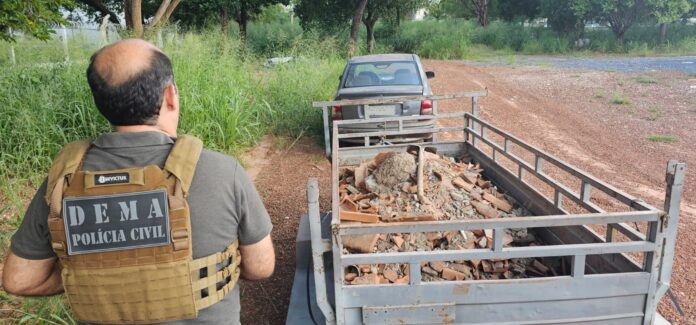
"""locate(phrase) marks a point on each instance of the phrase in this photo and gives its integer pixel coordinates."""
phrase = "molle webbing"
(227, 276)
(138, 285)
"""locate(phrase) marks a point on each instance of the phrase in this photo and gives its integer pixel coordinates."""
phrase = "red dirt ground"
(567, 113)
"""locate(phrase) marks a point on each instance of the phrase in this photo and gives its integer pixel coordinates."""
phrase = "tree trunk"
(398, 16)
(134, 7)
(370, 22)
(225, 21)
(481, 10)
(663, 33)
(161, 16)
(355, 26)
(242, 19)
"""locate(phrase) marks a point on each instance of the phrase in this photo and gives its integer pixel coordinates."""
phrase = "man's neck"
(142, 128)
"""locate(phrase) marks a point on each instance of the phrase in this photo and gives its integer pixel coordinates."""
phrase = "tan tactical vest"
(122, 261)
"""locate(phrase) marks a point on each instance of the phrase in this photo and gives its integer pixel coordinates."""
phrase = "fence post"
(102, 30)
(160, 43)
(65, 45)
(13, 59)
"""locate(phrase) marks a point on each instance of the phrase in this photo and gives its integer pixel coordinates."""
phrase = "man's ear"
(171, 97)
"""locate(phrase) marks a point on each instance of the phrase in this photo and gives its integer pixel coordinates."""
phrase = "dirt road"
(566, 112)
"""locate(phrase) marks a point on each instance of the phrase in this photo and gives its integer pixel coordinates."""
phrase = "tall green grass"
(458, 38)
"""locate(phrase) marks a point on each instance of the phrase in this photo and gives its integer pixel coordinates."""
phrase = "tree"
(667, 12)
(33, 17)
(511, 10)
(376, 9)
(568, 17)
(620, 14)
(355, 26)
(136, 12)
(481, 11)
(332, 15)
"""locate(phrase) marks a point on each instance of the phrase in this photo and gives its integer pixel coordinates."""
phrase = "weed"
(600, 94)
(619, 99)
(620, 82)
(646, 80)
(654, 114)
(663, 138)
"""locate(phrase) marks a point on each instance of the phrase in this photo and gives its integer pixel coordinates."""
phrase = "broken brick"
(409, 217)
(437, 265)
(402, 280)
(391, 275)
(460, 183)
(361, 243)
(486, 266)
(498, 203)
(486, 211)
(449, 274)
(348, 205)
(507, 239)
(398, 240)
(483, 242)
(483, 183)
(429, 271)
(358, 216)
(462, 268)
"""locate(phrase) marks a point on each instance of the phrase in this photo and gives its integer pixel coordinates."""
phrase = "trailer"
(617, 273)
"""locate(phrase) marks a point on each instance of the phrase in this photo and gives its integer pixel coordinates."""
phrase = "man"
(133, 87)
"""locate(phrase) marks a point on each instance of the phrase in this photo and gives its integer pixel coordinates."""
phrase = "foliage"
(199, 12)
(663, 138)
(669, 11)
(33, 17)
(330, 16)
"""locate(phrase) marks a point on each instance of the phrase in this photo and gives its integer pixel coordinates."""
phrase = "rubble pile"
(394, 188)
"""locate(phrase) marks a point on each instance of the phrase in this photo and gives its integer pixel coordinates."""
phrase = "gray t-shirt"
(223, 202)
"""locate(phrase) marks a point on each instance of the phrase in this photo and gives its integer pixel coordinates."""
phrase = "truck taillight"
(426, 107)
(337, 113)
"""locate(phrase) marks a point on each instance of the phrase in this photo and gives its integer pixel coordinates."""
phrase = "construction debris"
(387, 189)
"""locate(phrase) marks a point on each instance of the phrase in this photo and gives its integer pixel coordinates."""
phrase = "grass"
(654, 114)
(663, 138)
(619, 99)
(600, 94)
(646, 80)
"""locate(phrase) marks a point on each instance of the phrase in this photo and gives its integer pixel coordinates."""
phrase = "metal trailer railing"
(604, 286)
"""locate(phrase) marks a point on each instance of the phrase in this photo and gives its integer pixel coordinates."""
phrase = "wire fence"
(68, 44)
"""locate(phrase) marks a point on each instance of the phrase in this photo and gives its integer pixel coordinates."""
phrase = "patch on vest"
(116, 222)
(108, 179)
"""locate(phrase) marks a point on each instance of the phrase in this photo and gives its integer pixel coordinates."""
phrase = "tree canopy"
(33, 17)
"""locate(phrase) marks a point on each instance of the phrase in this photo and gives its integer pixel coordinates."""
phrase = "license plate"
(380, 110)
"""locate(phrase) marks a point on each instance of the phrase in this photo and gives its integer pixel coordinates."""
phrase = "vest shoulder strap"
(66, 162)
(183, 158)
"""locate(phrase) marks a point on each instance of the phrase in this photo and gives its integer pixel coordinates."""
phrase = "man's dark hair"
(137, 100)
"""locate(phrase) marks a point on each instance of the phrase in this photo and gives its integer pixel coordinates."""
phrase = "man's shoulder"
(213, 161)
